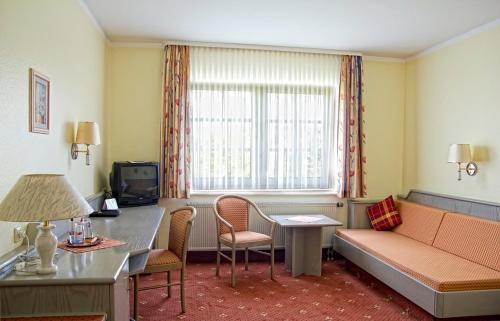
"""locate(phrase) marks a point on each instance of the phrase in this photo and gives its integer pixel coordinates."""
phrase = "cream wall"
(133, 104)
(453, 96)
(56, 38)
(384, 116)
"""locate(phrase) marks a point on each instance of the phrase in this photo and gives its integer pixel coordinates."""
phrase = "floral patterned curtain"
(350, 158)
(175, 154)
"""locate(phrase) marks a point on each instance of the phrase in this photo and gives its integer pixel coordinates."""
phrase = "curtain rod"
(259, 47)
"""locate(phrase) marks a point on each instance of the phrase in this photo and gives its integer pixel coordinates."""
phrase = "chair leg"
(136, 296)
(272, 262)
(183, 295)
(217, 266)
(233, 267)
(169, 288)
(246, 259)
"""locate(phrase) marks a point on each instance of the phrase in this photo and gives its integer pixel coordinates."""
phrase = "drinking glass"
(77, 233)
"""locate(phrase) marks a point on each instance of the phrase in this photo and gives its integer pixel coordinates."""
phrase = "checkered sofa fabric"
(384, 215)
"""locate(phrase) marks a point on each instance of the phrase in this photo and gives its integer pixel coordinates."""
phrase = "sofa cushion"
(384, 215)
(436, 268)
(472, 238)
(420, 222)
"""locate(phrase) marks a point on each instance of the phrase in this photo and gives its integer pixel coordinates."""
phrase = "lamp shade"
(88, 133)
(459, 153)
(43, 197)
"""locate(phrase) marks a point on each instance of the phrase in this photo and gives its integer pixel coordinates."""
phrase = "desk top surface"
(284, 221)
(137, 226)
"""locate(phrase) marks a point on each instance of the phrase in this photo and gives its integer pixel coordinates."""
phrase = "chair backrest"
(180, 230)
(234, 209)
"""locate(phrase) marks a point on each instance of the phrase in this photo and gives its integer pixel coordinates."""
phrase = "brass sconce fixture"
(460, 154)
(87, 134)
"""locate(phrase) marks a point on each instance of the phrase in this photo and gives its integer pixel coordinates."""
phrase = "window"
(262, 120)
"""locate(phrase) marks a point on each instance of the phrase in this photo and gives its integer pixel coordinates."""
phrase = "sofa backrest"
(420, 222)
(454, 204)
(471, 238)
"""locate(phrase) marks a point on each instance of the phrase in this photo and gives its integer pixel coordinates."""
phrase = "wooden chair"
(174, 258)
(232, 228)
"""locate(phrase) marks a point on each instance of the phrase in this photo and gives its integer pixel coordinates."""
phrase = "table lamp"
(43, 198)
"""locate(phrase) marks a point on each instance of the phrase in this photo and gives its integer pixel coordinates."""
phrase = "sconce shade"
(43, 197)
(88, 133)
(459, 153)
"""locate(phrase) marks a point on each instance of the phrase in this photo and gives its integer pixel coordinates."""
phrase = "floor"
(343, 293)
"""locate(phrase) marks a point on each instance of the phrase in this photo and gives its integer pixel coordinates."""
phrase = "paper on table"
(304, 219)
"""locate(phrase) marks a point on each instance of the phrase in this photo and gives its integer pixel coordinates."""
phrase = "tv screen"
(135, 183)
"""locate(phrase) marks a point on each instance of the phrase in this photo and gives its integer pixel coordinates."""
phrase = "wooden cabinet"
(109, 299)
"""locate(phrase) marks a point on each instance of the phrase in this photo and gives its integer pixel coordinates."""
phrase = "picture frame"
(39, 103)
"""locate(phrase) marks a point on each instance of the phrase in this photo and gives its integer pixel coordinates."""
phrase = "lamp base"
(46, 245)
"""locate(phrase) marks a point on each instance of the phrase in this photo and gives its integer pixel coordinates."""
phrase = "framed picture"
(39, 103)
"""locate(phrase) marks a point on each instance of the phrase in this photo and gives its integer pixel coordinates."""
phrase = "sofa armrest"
(356, 214)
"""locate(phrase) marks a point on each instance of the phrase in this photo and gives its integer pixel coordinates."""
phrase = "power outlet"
(19, 234)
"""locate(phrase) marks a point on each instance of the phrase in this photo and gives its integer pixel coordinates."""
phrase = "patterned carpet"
(340, 294)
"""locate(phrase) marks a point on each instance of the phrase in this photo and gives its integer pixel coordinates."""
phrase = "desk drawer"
(54, 299)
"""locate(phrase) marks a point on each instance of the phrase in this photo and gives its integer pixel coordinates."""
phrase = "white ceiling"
(390, 28)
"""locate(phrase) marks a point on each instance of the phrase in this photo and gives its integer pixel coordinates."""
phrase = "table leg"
(313, 241)
(288, 248)
(303, 250)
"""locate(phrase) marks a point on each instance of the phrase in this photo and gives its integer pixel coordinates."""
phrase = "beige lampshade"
(43, 197)
(459, 153)
(88, 133)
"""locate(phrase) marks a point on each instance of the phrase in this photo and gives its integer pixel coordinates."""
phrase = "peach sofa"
(447, 263)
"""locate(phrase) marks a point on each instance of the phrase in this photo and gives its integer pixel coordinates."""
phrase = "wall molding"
(384, 59)
(89, 13)
(119, 44)
(456, 39)
(261, 47)
(132, 44)
(160, 45)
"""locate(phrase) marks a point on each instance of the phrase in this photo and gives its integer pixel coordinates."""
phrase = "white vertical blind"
(262, 120)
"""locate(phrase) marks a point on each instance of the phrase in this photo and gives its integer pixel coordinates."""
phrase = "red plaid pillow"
(384, 215)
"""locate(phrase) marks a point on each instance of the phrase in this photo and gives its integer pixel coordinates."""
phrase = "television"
(135, 183)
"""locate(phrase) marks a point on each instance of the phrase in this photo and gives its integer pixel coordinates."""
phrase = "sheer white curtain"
(262, 120)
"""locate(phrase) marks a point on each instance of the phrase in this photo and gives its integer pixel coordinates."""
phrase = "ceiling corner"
(89, 13)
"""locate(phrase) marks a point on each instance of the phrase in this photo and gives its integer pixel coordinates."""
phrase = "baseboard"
(210, 256)
(95, 200)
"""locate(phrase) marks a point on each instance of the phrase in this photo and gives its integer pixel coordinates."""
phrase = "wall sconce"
(88, 134)
(460, 154)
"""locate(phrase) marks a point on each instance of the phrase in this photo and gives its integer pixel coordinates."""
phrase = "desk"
(303, 243)
(94, 281)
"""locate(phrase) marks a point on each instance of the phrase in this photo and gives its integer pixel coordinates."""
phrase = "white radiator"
(203, 234)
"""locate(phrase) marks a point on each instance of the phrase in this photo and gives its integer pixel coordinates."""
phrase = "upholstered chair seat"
(245, 239)
(160, 257)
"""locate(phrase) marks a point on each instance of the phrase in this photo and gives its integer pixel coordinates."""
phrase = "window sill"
(267, 193)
